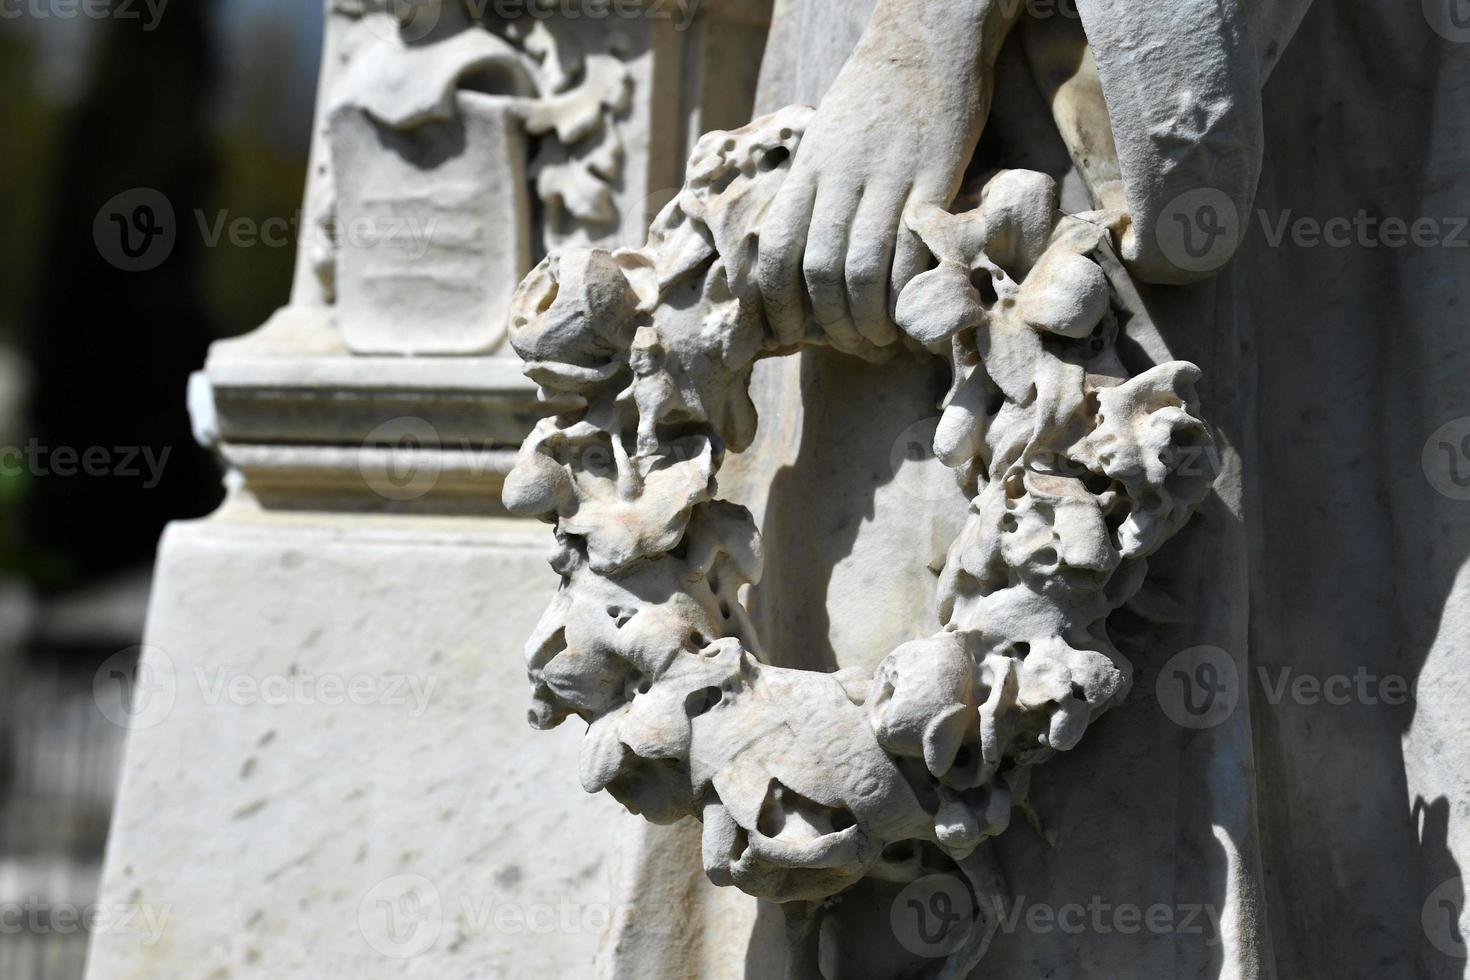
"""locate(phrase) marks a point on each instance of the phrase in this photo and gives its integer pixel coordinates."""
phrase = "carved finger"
(824, 263)
(910, 257)
(870, 251)
(783, 238)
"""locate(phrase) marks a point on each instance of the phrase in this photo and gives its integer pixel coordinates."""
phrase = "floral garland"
(1078, 470)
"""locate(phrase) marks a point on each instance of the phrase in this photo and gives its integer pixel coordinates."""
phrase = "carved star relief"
(1196, 132)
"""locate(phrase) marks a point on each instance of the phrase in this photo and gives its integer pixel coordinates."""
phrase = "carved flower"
(643, 510)
(798, 794)
(1070, 687)
(640, 752)
(923, 701)
(940, 303)
(1147, 438)
(572, 319)
(623, 507)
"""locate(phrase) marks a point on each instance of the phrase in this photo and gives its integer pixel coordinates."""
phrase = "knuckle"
(865, 271)
(774, 267)
(822, 265)
(909, 259)
(824, 279)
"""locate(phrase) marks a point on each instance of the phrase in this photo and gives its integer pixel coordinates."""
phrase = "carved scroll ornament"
(1077, 470)
(431, 147)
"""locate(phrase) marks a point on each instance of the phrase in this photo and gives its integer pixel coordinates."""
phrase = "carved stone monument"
(809, 785)
(328, 770)
(1058, 201)
(946, 473)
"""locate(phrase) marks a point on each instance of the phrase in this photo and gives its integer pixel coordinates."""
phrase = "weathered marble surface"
(812, 786)
(1280, 837)
(307, 790)
(365, 431)
(1309, 839)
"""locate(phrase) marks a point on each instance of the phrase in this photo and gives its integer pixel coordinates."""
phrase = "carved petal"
(923, 700)
(939, 303)
(622, 527)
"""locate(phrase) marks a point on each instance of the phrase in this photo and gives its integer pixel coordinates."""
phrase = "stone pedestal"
(329, 771)
(329, 775)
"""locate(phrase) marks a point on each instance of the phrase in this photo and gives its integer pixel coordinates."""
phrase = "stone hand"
(896, 129)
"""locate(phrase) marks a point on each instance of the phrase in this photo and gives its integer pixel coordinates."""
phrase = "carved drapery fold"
(1077, 468)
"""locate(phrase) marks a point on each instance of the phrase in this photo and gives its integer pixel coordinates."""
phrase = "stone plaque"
(432, 228)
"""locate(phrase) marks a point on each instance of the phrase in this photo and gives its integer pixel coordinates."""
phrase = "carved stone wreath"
(806, 782)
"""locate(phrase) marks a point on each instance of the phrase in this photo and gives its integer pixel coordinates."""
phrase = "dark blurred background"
(207, 103)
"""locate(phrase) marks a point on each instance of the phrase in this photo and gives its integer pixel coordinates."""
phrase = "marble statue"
(1078, 468)
(962, 467)
(878, 226)
(332, 666)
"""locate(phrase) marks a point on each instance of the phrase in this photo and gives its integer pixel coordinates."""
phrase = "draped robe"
(1299, 837)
